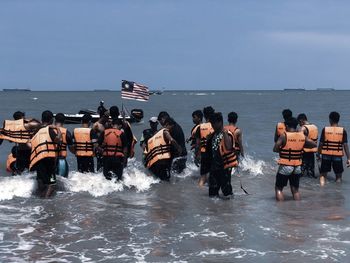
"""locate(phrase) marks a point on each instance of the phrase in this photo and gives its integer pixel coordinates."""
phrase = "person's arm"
(239, 136)
(276, 134)
(279, 144)
(55, 134)
(69, 139)
(32, 125)
(172, 141)
(346, 147)
(320, 144)
(309, 143)
(228, 140)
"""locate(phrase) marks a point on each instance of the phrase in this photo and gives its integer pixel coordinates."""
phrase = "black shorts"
(204, 169)
(329, 161)
(46, 171)
(113, 167)
(282, 180)
(220, 179)
(85, 164)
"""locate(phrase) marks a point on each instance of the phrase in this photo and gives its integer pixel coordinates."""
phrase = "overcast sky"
(178, 44)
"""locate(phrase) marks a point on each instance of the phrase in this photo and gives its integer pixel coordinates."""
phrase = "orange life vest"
(281, 128)
(9, 162)
(205, 130)
(42, 147)
(112, 144)
(333, 141)
(15, 131)
(62, 149)
(157, 149)
(233, 129)
(82, 142)
(292, 153)
(312, 135)
(229, 157)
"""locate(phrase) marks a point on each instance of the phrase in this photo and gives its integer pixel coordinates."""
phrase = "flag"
(133, 91)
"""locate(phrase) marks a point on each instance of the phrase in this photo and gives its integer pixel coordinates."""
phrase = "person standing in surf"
(197, 118)
(281, 126)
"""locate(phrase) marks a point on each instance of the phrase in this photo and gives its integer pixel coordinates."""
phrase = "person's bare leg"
(295, 192)
(338, 178)
(323, 177)
(279, 194)
(202, 180)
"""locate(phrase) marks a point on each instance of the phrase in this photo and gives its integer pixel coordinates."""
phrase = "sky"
(174, 44)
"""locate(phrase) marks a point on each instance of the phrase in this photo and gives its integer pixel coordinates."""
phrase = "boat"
(16, 90)
(136, 115)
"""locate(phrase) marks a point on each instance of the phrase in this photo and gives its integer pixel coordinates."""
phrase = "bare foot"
(202, 181)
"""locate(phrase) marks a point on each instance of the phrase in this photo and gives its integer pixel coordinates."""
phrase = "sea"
(141, 219)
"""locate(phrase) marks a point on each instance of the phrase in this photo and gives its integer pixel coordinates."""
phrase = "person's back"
(281, 126)
(236, 132)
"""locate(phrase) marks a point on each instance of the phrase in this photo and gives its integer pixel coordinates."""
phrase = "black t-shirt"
(216, 159)
(345, 136)
(179, 136)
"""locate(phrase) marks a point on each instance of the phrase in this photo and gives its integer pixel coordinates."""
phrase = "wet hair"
(232, 117)
(287, 113)
(117, 121)
(114, 112)
(18, 115)
(334, 116)
(292, 123)
(60, 118)
(198, 113)
(216, 117)
(47, 116)
(302, 117)
(169, 121)
(86, 118)
(207, 112)
(163, 114)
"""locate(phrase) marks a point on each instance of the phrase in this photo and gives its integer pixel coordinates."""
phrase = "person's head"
(232, 117)
(216, 121)
(287, 113)
(302, 119)
(153, 123)
(291, 123)
(60, 118)
(169, 123)
(18, 115)
(207, 112)
(102, 102)
(47, 117)
(86, 119)
(114, 112)
(197, 116)
(334, 117)
(162, 116)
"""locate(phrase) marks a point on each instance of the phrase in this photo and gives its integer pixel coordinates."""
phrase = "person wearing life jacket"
(67, 141)
(197, 119)
(44, 153)
(290, 147)
(311, 131)
(20, 130)
(179, 158)
(333, 144)
(131, 139)
(158, 152)
(148, 133)
(114, 150)
(281, 126)
(204, 130)
(85, 141)
(237, 133)
(221, 157)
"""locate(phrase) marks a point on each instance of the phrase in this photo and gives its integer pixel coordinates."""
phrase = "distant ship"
(294, 89)
(16, 90)
(102, 90)
(325, 89)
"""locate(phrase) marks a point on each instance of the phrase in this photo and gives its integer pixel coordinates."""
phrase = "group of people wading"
(41, 146)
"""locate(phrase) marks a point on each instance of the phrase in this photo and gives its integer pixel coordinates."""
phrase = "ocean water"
(144, 220)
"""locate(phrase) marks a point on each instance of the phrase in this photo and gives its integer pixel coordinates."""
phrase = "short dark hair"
(86, 118)
(60, 118)
(216, 117)
(208, 111)
(169, 121)
(117, 121)
(287, 113)
(18, 115)
(163, 114)
(302, 117)
(232, 117)
(334, 116)
(114, 112)
(47, 116)
(292, 123)
(198, 113)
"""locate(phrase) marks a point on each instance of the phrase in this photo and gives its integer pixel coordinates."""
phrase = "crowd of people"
(42, 146)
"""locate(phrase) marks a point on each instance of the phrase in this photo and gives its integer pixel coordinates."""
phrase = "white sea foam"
(252, 166)
(20, 186)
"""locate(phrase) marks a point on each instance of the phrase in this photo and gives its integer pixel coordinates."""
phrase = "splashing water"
(17, 186)
(252, 166)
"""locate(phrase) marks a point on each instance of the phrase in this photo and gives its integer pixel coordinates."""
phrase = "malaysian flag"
(134, 91)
